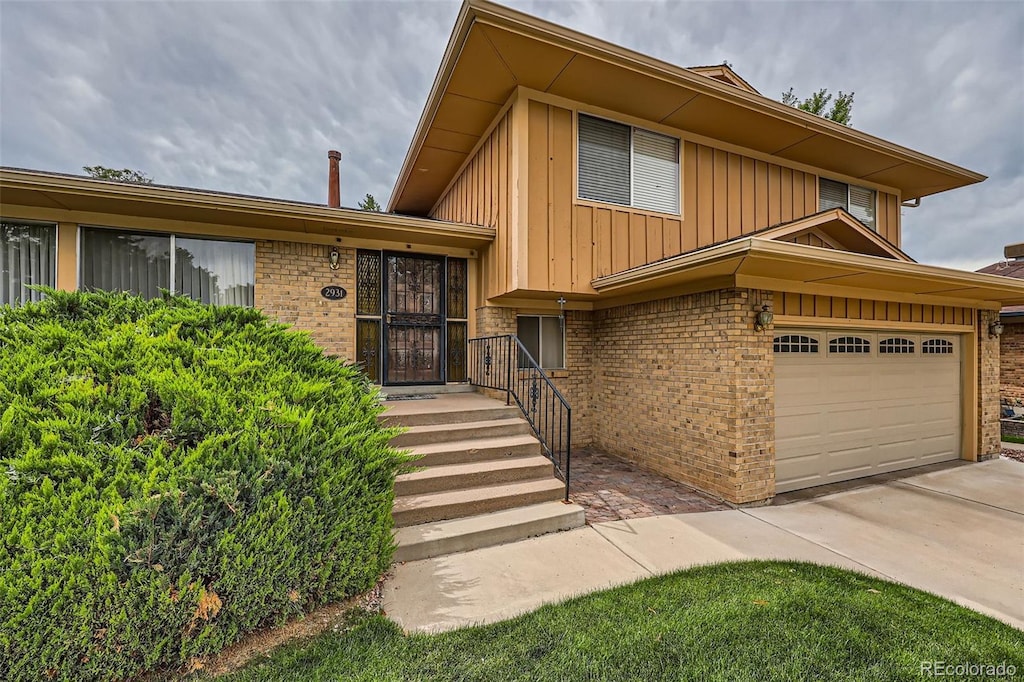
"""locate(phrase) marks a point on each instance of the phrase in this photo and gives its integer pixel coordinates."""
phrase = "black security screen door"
(414, 319)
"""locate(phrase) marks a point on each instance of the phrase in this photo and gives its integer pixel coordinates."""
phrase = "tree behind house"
(118, 175)
(840, 112)
(369, 204)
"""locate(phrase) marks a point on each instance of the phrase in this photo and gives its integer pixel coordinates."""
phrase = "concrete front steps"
(481, 478)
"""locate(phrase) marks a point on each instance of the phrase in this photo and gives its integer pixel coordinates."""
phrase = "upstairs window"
(620, 164)
(859, 201)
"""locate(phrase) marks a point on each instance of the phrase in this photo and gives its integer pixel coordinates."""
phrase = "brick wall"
(575, 381)
(289, 277)
(988, 386)
(685, 387)
(1011, 361)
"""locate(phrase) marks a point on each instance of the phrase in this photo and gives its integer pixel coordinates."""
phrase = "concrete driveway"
(957, 532)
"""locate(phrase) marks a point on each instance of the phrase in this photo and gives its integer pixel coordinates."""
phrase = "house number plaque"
(333, 293)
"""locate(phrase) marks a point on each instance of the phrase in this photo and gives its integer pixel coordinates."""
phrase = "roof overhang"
(768, 264)
(494, 50)
(57, 193)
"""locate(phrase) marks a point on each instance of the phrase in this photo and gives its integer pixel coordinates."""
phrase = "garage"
(852, 403)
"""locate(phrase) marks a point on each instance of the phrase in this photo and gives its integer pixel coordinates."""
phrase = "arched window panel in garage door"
(896, 345)
(795, 343)
(848, 344)
(938, 346)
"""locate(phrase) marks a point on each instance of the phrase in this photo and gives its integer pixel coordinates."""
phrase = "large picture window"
(543, 337)
(859, 201)
(212, 271)
(620, 164)
(28, 256)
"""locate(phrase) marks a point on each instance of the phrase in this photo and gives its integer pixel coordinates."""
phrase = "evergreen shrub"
(173, 476)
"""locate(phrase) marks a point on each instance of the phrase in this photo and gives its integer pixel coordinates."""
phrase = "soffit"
(494, 49)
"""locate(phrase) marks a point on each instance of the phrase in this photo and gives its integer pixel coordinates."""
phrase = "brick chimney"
(334, 180)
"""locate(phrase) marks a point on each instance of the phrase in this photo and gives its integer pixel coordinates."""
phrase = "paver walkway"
(610, 489)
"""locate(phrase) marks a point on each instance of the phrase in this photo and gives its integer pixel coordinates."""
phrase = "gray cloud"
(248, 97)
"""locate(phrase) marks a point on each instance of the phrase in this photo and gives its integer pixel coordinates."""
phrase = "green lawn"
(741, 621)
(1013, 439)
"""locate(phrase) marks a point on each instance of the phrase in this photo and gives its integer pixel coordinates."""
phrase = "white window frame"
(874, 193)
(632, 164)
(540, 338)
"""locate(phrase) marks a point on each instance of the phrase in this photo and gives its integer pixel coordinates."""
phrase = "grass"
(1013, 439)
(740, 621)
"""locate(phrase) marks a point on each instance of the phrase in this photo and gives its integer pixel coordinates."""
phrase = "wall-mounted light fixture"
(765, 317)
(335, 259)
(561, 312)
(995, 329)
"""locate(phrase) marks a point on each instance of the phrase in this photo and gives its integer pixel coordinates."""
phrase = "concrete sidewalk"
(958, 533)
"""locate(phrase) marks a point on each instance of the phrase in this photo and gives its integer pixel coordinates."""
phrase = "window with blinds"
(629, 166)
(859, 201)
(604, 150)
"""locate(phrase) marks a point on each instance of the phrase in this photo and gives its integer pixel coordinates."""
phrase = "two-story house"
(712, 278)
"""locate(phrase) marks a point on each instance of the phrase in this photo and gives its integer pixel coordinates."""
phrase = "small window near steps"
(543, 336)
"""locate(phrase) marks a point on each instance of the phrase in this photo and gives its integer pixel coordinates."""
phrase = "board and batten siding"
(854, 309)
(724, 195)
(887, 219)
(481, 195)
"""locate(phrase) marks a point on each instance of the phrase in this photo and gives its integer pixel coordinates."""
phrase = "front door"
(414, 319)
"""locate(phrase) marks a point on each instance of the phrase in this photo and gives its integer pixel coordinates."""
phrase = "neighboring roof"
(724, 73)
(31, 188)
(1009, 267)
(1012, 311)
(840, 226)
(493, 50)
(1006, 268)
(762, 263)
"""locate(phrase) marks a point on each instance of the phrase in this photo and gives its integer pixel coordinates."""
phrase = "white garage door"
(856, 403)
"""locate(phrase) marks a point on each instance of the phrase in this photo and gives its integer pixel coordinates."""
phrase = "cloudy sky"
(248, 97)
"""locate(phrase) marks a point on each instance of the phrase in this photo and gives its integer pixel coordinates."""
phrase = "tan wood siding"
(888, 217)
(481, 195)
(835, 307)
(571, 241)
(725, 196)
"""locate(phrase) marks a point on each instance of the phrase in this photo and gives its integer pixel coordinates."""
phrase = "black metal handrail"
(502, 363)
